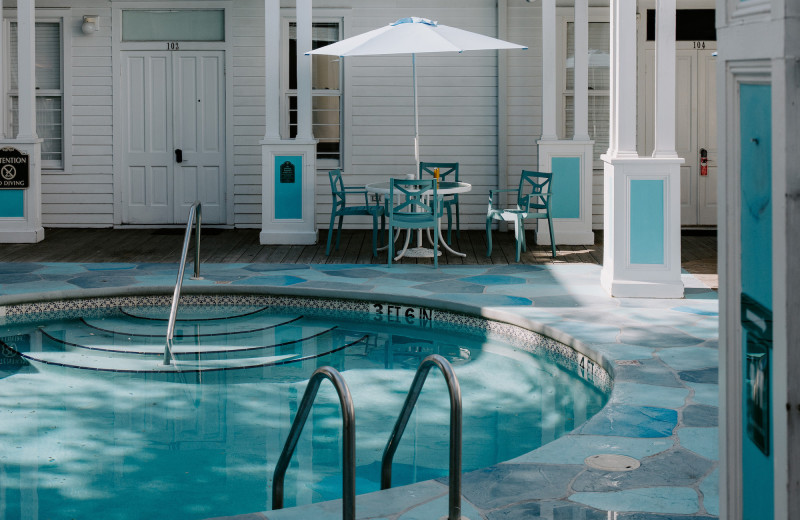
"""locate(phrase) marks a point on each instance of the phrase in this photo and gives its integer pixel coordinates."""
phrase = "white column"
(288, 204)
(549, 72)
(2, 79)
(304, 131)
(272, 78)
(581, 71)
(623, 79)
(26, 62)
(665, 80)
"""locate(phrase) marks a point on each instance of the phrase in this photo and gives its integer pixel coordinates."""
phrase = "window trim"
(321, 16)
(60, 16)
(566, 15)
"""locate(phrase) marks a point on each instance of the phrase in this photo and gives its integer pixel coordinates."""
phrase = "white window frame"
(44, 16)
(566, 15)
(287, 17)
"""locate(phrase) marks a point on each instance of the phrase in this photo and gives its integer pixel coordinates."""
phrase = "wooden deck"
(698, 253)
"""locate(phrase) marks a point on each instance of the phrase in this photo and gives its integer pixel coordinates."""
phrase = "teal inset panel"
(647, 221)
(566, 188)
(12, 203)
(288, 187)
(755, 107)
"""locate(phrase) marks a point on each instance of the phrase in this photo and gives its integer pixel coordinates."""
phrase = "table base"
(420, 252)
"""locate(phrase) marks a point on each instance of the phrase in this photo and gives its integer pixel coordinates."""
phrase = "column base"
(25, 236)
(288, 200)
(295, 238)
(641, 289)
(570, 161)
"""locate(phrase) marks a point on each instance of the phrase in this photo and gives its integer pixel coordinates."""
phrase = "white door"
(174, 141)
(696, 127)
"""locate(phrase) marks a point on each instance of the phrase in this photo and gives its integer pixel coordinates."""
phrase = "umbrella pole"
(416, 111)
(416, 129)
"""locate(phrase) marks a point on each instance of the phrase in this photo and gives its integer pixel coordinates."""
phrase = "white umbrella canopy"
(413, 36)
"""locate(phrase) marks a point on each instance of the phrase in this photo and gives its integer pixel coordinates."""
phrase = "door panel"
(147, 153)
(707, 136)
(174, 100)
(686, 133)
(199, 132)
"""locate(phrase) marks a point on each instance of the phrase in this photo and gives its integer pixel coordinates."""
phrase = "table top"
(445, 188)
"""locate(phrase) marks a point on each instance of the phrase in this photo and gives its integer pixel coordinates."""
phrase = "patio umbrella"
(412, 36)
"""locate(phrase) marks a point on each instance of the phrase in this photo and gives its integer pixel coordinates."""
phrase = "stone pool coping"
(662, 355)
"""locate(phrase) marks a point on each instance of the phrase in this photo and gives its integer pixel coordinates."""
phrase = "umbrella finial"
(416, 19)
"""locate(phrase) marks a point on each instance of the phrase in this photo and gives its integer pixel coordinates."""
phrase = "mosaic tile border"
(517, 336)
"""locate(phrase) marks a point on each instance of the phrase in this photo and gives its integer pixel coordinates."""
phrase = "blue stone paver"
(654, 500)
(662, 355)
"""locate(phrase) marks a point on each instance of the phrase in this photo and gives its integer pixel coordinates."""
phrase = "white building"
(112, 103)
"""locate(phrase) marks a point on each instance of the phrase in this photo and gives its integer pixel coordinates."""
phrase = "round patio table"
(444, 188)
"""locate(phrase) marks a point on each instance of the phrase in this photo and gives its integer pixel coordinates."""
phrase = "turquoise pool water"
(120, 438)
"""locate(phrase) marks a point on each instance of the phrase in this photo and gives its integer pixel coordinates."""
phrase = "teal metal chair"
(448, 171)
(414, 204)
(340, 209)
(532, 202)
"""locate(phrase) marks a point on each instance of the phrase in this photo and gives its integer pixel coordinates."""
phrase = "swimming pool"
(130, 438)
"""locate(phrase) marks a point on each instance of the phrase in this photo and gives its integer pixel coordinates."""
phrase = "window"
(326, 103)
(49, 91)
(173, 25)
(599, 81)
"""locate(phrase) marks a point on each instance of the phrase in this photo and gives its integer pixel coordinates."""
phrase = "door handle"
(703, 162)
(178, 155)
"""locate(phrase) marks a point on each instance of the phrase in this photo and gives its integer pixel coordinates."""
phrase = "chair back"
(530, 184)
(446, 169)
(413, 200)
(337, 189)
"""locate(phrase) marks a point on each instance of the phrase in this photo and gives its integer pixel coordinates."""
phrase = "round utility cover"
(608, 462)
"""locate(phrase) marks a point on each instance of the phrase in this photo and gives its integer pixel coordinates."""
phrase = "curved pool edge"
(499, 314)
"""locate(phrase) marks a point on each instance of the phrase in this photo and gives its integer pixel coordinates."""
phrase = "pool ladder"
(349, 426)
(196, 216)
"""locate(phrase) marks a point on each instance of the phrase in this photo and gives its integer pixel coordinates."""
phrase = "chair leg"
(374, 235)
(339, 232)
(552, 236)
(523, 235)
(383, 231)
(391, 245)
(449, 225)
(458, 222)
(520, 239)
(435, 249)
(488, 237)
(330, 234)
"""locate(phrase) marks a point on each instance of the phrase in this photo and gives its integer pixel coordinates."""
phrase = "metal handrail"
(349, 432)
(196, 216)
(454, 509)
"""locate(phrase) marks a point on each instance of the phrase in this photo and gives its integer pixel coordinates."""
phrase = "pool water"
(126, 438)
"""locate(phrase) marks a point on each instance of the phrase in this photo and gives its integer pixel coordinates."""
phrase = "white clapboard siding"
(248, 67)
(524, 90)
(84, 194)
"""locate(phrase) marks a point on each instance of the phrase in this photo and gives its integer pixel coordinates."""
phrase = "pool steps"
(130, 343)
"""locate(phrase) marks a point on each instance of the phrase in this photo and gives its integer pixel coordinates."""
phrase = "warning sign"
(14, 169)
